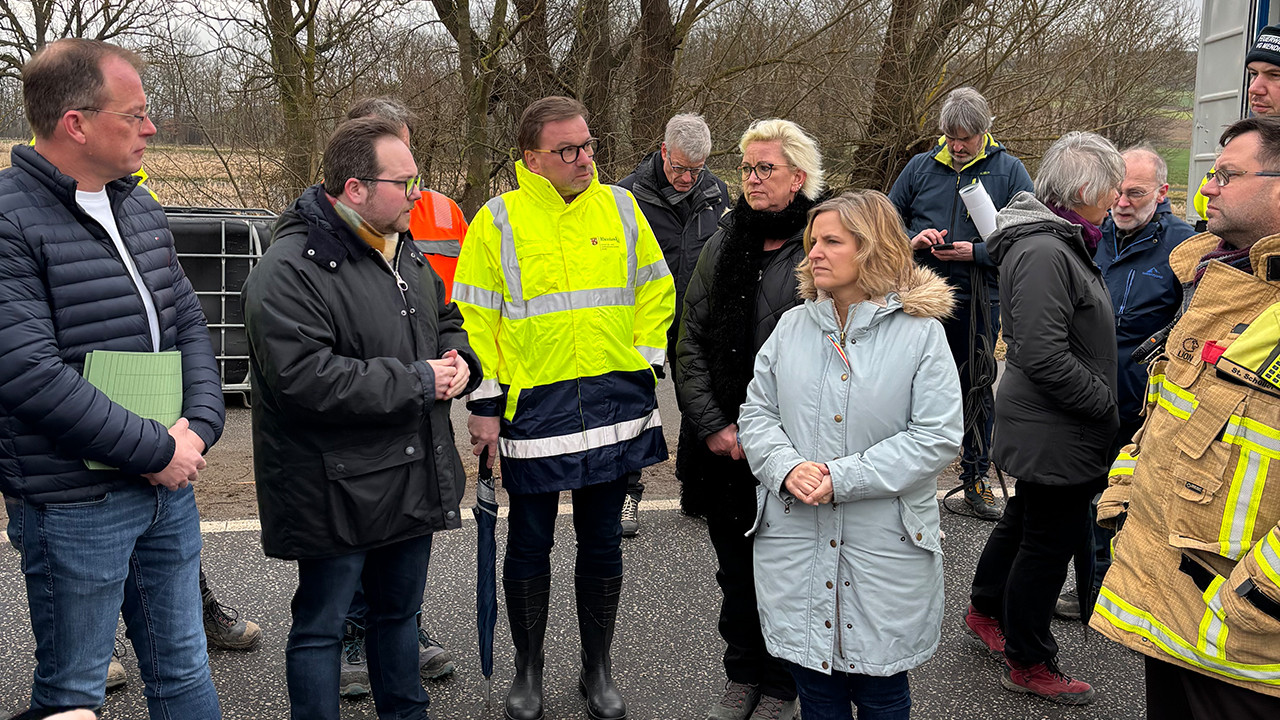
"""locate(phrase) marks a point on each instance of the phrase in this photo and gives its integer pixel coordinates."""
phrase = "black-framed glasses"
(570, 154)
(692, 172)
(762, 170)
(1223, 177)
(142, 119)
(409, 184)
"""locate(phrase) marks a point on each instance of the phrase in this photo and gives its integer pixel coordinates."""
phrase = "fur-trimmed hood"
(924, 294)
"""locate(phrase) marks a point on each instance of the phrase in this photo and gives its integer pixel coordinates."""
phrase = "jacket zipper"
(402, 286)
(1128, 286)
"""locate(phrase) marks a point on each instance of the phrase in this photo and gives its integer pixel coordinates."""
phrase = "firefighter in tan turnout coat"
(1195, 584)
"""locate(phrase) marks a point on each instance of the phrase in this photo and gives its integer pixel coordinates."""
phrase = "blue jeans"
(830, 697)
(136, 552)
(393, 577)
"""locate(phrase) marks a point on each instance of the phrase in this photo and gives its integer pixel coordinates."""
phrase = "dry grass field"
(199, 176)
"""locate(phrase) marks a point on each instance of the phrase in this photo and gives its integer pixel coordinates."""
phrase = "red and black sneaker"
(1047, 681)
(987, 629)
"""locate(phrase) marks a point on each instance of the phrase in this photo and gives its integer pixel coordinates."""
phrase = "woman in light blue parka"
(853, 411)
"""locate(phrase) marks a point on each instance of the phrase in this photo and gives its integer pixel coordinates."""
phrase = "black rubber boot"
(527, 611)
(597, 613)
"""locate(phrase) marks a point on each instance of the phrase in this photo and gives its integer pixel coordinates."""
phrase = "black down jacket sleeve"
(692, 372)
(43, 392)
(202, 403)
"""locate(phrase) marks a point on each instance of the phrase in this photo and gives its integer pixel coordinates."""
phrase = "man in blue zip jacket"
(1134, 257)
(927, 195)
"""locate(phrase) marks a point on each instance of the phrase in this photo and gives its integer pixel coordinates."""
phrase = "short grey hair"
(1079, 169)
(1145, 150)
(388, 109)
(688, 133)
(797, 147)
(964, 110)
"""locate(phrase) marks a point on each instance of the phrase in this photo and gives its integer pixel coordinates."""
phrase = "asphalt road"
(667, 651)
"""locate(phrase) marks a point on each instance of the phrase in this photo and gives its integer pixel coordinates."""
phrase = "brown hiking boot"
(738, 701)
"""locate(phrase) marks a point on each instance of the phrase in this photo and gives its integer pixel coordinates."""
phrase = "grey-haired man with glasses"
(354, 356)
(683, 201)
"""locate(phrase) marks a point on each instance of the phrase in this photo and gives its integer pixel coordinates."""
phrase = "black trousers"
(1024, 564)
(597, 527)
(746, 660)
(1175, 693)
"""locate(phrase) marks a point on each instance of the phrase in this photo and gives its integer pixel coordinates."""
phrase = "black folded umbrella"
(486, 513)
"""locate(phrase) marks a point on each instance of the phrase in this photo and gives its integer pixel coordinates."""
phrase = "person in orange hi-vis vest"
(438, 227)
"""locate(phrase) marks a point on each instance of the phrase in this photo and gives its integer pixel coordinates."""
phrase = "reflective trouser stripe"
(578, 441)
(1128, 618)
(517, 308)
(1212, 637)
(1172, 398)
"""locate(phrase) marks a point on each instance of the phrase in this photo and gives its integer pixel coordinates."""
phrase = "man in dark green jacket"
(354, 357)
(927, 195)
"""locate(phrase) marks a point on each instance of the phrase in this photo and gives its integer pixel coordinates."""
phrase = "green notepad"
(148, 384)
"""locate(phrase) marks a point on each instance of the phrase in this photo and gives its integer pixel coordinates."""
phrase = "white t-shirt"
(98, 206)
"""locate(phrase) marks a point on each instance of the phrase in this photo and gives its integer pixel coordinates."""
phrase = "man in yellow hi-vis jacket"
(566, 300)
(1195, 580)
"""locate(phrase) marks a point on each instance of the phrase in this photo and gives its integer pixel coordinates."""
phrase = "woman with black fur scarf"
(744, 281)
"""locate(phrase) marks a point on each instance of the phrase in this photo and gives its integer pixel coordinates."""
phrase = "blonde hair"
(799, 149)
(884, 255)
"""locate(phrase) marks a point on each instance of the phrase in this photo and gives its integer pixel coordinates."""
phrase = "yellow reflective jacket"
(1196, 575)
(1199, 201)
(567, 307)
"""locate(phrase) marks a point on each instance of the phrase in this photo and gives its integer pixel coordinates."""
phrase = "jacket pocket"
(1204, 469)
(918, 533)
(371, 489)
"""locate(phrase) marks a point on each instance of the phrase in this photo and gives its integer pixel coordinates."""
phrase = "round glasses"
(570, 154)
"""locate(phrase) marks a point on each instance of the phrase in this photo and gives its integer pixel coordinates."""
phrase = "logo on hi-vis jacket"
(605, 242)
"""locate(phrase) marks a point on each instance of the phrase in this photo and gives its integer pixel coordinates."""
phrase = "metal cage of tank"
(217, 247)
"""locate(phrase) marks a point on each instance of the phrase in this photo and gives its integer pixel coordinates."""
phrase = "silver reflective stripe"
(654, 355)
(627, 213)
(1146, 626)
(571, 300)
(579, 441)
(487, 389)
(652, 271)
(444, 248)
(1213, 632)
(517, 308)
(472, 295)
(1243, 431)
(1242, 504)
(510, 263)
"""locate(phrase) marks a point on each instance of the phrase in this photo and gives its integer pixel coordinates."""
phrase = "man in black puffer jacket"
(683, 202)
(354, 356)
(87, 264)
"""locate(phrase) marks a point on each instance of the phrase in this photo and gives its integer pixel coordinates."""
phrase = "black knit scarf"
(733, 295)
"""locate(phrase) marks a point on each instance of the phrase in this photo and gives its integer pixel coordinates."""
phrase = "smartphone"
(943, 246)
